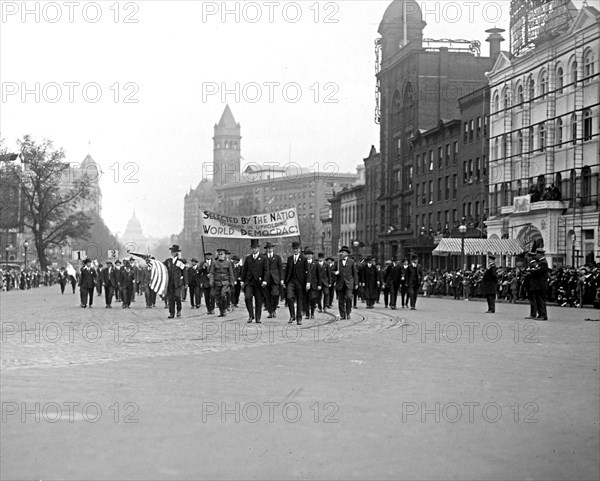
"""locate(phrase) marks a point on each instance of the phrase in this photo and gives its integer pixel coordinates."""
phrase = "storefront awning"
(507, 247)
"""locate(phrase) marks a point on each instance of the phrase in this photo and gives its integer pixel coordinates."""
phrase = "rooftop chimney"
(495, 40)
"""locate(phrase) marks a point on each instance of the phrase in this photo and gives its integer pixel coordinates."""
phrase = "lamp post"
(25, 246)
(356, 245)
(463, 230)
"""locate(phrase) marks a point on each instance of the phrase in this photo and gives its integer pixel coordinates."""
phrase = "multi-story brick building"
(544, 136)
(418, 85)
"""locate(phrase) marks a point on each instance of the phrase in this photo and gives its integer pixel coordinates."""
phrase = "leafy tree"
(50, 196)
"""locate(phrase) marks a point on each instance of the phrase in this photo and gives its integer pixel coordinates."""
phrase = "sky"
(140, 85)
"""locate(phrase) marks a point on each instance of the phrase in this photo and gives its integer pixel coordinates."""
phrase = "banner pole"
(203, 250)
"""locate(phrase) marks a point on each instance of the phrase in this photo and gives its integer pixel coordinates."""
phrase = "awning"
(449, 245)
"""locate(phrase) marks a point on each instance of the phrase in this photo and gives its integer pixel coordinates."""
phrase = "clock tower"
(226, 153)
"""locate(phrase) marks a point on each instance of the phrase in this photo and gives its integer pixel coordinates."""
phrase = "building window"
(454, 185)
(471, 129)
(496, 109)
(424, 162)
(470, 171)
(447, 196)
(465, 172)
(531, 87)
(543, 83)
(574, 129)
(440, 156)
(439, 189)
(455, 151)
(586, 185)
(560, 80)
(418, 196)
(496, 149)
(588, 66)
(587, 124)
(417, 162)
(520, 97)
(559, 131)
(506, 98)
(466, 132)
(431, 160)
(531, 139)
(504, 145)
(574, 73)
(424, 194)
(478, 168)
(519, 142)
(410, 177)
(542, 137)
(447, 154)
(478, 127)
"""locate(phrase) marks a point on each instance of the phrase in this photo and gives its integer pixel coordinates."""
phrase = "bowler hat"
(207, 254)
(309, 251)
(320, 255)
(194, 260)
(394, 258)
(344, 249)
(268, 244)
(221, 250)
(174, 248)
(296, 245)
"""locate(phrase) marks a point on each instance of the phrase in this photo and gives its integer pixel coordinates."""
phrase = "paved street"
(443, 392)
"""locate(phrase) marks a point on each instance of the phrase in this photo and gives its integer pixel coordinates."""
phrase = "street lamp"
(463, 230)
(25, 246)
(356, 245)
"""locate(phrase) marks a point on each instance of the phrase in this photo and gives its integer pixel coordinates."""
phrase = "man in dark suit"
(346, 281)
(87, 281)
(126, 281)
(209, 299)
(194, 284)
(254, 271)
(489, 285)
(326, 280)
(313, 283)
(414, 280)
(100, 280)
(273, 279)
(401, 282)
(295, 281)
(175, 268)
(237, 274)
(538, 285)
(109, 279)
(392, 273)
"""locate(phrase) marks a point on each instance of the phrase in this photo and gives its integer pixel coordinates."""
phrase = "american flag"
(159, 275)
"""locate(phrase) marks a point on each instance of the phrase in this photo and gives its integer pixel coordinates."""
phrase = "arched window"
(506, 97)
(586, 185)
(531, 87)
(396, 108)
(574, 128)
(574, 73)
(587, 124)
(520, 98)
(559, 131)
(560, 80)
(543, 83)
(573, 185)
(531, 139)
(542, 137)
(520, 142)
(496, 102)
(588, 65)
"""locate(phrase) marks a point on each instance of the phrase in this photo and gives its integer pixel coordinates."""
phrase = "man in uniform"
(273, 280)
(346, 282)
(221, 280)
(295, 281)
(176, 282)
(87, 280)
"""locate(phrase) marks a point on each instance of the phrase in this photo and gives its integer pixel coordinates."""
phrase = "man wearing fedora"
(126, 282)
(87, 281)
(273, 280)
(204, 281)
(414, 280)
(254, 271)
(109, 280)
(489, 285)
(538, 285)
(346, 281)
(295, 280)
(175, 268)
(194, 284)
(326, 280)
(313, 284)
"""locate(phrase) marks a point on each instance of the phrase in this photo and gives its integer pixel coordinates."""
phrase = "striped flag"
(159, 277)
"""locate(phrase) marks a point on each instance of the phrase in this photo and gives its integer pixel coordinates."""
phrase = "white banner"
(283, 223)
(522, 204)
